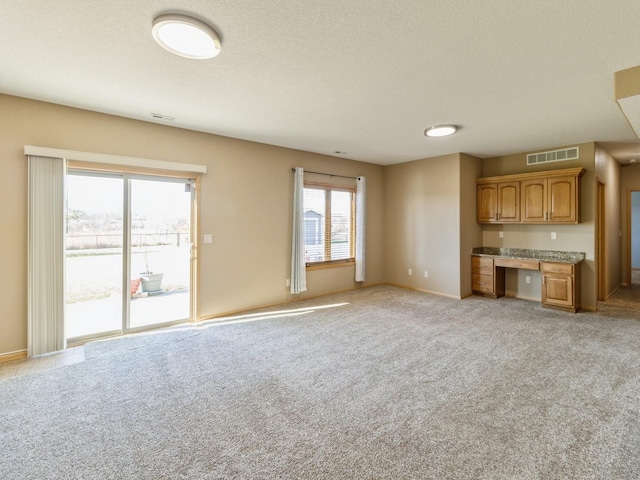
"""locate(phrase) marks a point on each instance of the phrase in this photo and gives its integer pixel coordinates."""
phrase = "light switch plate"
(208, 238)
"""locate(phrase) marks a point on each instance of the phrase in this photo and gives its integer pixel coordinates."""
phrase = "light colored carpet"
(385, 384)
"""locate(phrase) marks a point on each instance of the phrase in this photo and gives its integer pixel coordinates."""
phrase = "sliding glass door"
(128, 246)
(94, 255)
(160, 251)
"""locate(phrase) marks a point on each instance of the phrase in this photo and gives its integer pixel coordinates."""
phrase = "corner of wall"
(470, 230)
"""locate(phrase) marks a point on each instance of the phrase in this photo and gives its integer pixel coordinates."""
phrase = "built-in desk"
(560, 272)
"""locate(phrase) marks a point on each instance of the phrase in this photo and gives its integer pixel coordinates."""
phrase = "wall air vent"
(572, 153)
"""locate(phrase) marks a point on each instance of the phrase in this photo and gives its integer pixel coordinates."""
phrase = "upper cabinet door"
(530, 198)
(487, 203)
(562, 200)
(509, 202)
(534, 200)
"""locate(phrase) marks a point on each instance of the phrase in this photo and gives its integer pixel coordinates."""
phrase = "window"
(329, 224)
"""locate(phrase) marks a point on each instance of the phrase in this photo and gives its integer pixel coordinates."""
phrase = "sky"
(155, 200)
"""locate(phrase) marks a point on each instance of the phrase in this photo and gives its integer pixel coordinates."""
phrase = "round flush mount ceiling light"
(440, 130)
(186, 36)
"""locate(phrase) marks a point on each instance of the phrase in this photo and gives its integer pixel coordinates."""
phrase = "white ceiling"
(365, 77)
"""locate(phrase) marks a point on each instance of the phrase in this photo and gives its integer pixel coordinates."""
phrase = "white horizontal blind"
(341, 225)
(329, 224)
(314, 217)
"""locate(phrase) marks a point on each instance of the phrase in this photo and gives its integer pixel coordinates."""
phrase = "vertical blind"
(46, 256)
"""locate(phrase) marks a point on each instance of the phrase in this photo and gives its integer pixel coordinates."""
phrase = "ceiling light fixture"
(440, 130)
(186, 36)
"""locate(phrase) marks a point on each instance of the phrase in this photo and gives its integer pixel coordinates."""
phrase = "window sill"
(322, 266)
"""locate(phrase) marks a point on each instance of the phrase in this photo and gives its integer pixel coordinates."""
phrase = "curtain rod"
(327, 174)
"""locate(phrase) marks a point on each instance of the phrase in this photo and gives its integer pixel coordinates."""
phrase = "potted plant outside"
(151, 282)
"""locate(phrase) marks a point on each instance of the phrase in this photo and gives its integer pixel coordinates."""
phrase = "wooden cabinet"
(534, 200)
(484, 279)
(487, 203)
(562, 199)
(550, 200)
(560, 281)
(561, 286)
(542, 197)
(508, 202)
(498, 202)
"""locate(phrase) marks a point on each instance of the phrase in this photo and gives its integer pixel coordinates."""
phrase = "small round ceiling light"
(186, 36)
(440, 130)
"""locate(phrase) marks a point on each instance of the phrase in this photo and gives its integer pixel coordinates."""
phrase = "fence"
(92, 241)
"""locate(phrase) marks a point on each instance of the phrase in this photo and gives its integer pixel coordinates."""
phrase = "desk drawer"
(482, 265)
(482, 283)
(562, 268)
(513, 263)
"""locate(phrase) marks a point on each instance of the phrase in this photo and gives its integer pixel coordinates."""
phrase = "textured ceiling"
(365, 77)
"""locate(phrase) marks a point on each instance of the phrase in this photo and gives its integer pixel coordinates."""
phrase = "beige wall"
(577, 238)
(245, 204)
(470, 229)
(421, 214)
(422, 224)
(629, 180)
(608, 173)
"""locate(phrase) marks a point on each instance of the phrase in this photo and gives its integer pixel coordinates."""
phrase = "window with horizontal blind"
(329, 224)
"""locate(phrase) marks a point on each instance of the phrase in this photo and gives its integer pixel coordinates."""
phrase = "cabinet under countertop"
(560, 271)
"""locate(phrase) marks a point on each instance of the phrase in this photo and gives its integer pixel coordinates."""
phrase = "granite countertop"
(527, 254)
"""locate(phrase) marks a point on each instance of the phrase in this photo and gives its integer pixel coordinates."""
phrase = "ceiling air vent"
(572, 153)
(159, 116)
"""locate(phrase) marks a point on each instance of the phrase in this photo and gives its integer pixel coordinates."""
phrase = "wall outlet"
(287, 282)
(410, 272)
(527, 279)
(553, 235)
(426, 274)
(501, 234)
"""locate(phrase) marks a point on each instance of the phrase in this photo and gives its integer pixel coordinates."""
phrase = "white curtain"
(45, 268)
(298, 270)
(361, 213)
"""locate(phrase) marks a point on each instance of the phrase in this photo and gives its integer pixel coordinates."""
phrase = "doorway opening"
(129, 244)
(633, 241)
(601, 248)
